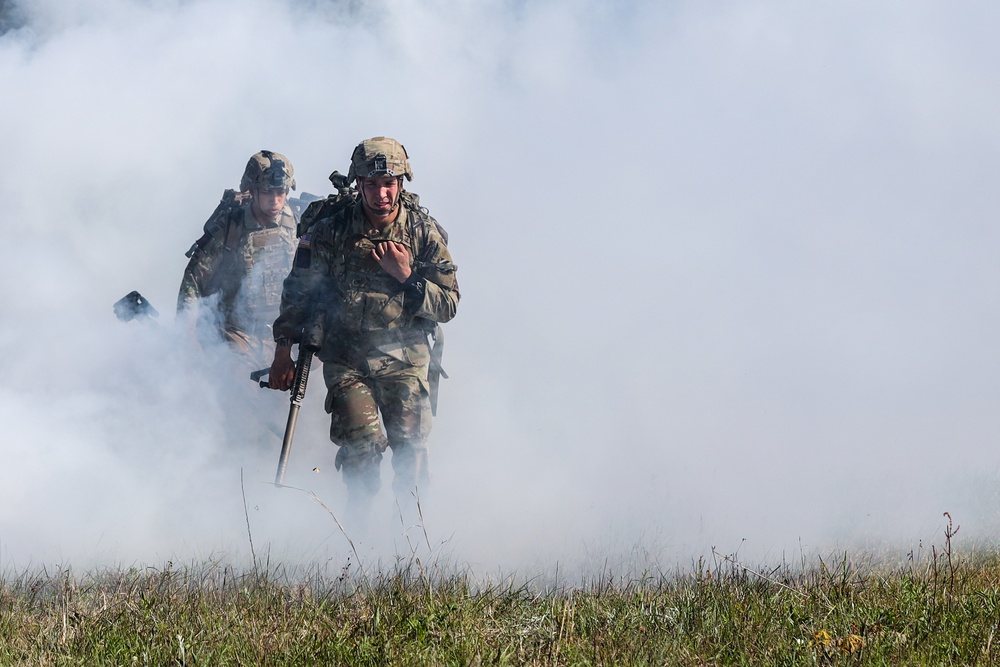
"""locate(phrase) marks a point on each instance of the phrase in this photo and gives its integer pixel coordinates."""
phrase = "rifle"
(309, 343)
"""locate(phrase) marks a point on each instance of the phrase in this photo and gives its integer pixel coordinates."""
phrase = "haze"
(729, 273)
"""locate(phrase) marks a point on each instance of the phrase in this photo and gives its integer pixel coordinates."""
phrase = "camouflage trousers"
(357, 396)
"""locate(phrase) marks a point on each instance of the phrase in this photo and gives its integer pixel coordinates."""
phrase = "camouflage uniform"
(244, 262)
(375, 350)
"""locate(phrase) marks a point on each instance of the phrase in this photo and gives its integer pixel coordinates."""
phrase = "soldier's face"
(381, 193)
(270, 202)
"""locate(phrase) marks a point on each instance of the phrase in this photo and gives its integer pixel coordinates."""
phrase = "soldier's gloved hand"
(282, 369)
(394, 258)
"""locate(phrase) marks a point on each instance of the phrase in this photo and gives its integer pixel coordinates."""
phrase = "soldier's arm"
(197, 275)
(431, 291)
(302, 292)
(189, 291)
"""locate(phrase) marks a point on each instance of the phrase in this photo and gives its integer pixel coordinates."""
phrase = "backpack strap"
(411, 200)
(217, 224)
(420, 216)
(345, 197)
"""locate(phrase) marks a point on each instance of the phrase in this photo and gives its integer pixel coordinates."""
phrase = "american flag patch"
(305, 241)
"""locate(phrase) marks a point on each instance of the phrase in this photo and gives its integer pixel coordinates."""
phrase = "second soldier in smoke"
(377, 271)
(237, 267)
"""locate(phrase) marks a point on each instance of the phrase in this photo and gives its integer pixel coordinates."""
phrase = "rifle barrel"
(286, 445)
(298, 393)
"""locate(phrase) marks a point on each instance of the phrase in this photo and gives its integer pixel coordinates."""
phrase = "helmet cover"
(379, 156)
(269, 171)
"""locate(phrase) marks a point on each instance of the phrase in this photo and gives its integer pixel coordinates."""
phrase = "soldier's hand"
(282, 369)
(394, 258)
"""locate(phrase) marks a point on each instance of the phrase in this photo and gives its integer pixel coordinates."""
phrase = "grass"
(944, 611)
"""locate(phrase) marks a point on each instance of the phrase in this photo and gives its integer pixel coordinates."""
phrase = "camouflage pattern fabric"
(375, 352)
(267, 169)
(380, 156)
(245, 263)
(354, 400)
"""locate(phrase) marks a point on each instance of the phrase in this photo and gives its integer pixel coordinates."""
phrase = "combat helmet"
(379, 156)
(268, 170)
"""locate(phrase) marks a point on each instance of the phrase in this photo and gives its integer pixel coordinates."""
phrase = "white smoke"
(728, 271)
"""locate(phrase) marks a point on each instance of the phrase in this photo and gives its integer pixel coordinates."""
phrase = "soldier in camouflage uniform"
(243, 257)
(377, 271)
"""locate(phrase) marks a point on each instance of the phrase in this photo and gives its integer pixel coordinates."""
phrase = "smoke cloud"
(729, 274)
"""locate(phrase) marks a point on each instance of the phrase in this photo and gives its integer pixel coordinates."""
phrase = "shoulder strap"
(345, 197)
(219, 220)
(324, 208)
(420, 214)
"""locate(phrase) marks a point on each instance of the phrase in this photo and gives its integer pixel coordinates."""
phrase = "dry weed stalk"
(246, 514)
(361, 566)
(733, 560)
(409, 544)
(950, 532)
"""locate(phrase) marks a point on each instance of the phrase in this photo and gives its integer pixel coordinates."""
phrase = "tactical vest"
(265, 257)
(372, 300)
(251, 266)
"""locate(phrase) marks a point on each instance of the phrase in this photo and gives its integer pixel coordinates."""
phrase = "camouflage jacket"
(243, 262)
(363, 309)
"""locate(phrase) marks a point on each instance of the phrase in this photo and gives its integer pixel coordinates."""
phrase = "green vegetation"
(945, 611)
